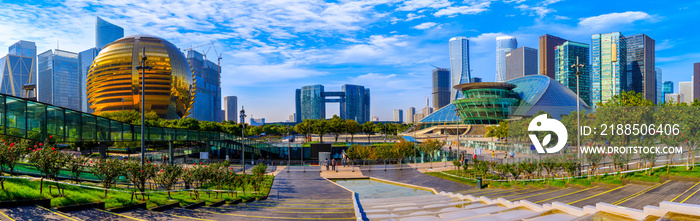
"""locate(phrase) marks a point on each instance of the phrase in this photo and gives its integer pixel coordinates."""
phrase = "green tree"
(138, 175)
(76, 165)
(9, 156)
(368, 129)
(431, 146)
(336, 126)
(167, 176)
(107, 171)
(304, 127)
(352, 128)
(49, 161)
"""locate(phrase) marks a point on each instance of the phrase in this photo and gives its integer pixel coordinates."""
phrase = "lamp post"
(243, 138)
(143, 68)
(458, 133)
(578, 109)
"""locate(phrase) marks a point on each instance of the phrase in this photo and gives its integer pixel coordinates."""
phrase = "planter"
(17, 203)
(99, 205)
(165, 207)
(194, 205)
(237, 201)
(218, 203)
(663, 178)
(261, 198)
(127, 208)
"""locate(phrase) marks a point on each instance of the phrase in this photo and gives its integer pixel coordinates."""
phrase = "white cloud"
(606, 21)
(559, 17)
(425, 25)
(472, 9)
(412, 16)
(539, 11)
(665, 44)
(412, 5)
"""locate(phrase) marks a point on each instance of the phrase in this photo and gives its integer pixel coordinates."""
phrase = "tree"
(336, 125)
(303, 127)
(403, 149)
(529, 166)
(550, 164)
(138, 174)
(9, 155)
(108, 171)
(76, 165)
(352, 128)
(167, 176)
(431, 146)
(49, 162)
(320, 127)
(368, 129)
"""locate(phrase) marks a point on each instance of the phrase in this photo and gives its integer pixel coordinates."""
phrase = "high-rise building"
(659, 86)
(675, 98)
(566, 55)
(375, 119)
(459, 64)
(398, 115)
(668, 88)
(503, 44)
(106, 33)
(410, 114)
(292, 118)
(641, 65)
(59, 79)
(441, 87)
(696, 81)
(354, 102)
(686, 90)
(257, 121)
(207, 102)
(231, 108)
(476, 80)
(427, 111)
(85, 59)
(608, 66)
(222, 115)
(23, 48)
(520, 62)
(417, 118)
(17, 71)
(547, 44)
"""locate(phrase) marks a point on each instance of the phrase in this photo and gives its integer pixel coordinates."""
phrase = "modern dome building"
(114, 82)
(487, 103)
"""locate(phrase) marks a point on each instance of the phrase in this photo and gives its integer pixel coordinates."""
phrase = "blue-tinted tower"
(106, 33)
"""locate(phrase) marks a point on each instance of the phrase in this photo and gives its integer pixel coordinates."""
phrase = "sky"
(269, 48)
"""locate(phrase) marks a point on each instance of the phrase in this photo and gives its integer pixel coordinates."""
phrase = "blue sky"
(272, 47)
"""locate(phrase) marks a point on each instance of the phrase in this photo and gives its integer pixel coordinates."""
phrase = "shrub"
(167, 176)
(108, 171)
(49, 161)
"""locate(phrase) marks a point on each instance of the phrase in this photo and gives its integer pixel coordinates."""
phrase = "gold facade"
(114, 83)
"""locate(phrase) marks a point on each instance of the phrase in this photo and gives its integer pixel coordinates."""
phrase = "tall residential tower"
(441, 87)
(547, 44)
(231, 108)
(503, 44)
(641, 76)
(608, 66)
(459, 64)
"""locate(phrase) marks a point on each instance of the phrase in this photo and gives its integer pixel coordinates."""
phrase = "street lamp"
(243, 138)
(143, 68)
(458, 133)
(578, 109)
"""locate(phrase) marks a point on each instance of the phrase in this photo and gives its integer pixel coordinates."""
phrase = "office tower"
(547, 44)
(459, 64)
(566, 56)
(207, 102)
(231, 108)
(85, 59)
(222, 115)
(641, 66)
(675, 98)
(106, 33)
(257, 121)
(441, 87)
(410, 114)
(59, 79)
(668, 89)
(476, 80)
(608, 66)
(23, 48)
(696, 81)
(297, 109)
(354, 102)
(659, 86)
(520, 62)
(17, 71)
(398, 115)
(427, 111)
(686, 90)
(503, 44)
(375, 119)
(418, 117)
(292, 118)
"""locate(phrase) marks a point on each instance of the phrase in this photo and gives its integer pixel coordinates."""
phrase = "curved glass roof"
(446, 114)
(541, 93)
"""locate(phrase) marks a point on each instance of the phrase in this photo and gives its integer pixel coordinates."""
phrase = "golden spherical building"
(114, 82)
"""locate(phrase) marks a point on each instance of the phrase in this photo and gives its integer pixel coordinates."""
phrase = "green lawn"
(17, 189)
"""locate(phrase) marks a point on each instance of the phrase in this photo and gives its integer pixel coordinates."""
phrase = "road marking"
(7, 216)
(518, 194)
(269, 217)
(57, 213)
(128, 217)
(494, 193)
(186, 217)
(685, 191)
(690, 196)
(565, 195)
(639, 193)
(538, 194)
(306, 204)
(594, 195)
(295, 207)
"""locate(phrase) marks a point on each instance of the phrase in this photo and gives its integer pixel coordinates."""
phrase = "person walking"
(326, 164)
(333, 164)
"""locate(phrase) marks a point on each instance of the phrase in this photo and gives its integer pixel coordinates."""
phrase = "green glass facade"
(486, 102)
(566, 56)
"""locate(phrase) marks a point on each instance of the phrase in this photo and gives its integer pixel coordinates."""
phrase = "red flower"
(53, 148)
(35, 145)
(142, 171)
(91, 161)
(12, 144)
(41, 144)
(201, 162)
(50, 136)
(161, 171)
(195, 164)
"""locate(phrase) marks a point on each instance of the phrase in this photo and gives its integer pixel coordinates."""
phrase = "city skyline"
(388, 44)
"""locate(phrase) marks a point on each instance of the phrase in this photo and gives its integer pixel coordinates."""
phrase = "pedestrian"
(333, 164)
(512, 154)
(326, 164)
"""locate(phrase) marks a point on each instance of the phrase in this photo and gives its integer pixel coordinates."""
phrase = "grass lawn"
(17, 189)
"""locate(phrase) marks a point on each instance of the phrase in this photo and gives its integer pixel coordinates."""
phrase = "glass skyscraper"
(459, 64)
(565, 56)
(354, 102)
(59, 79)
(503, 44)
(23, 48)
(520, 62)
(85, 59)
(441, 87)
(207, 101)
(231, 108)
(608, 66)
(547, 44)
(106, 33)
(641, 65)
(659, 86)
(18, 69)
(668, 87)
